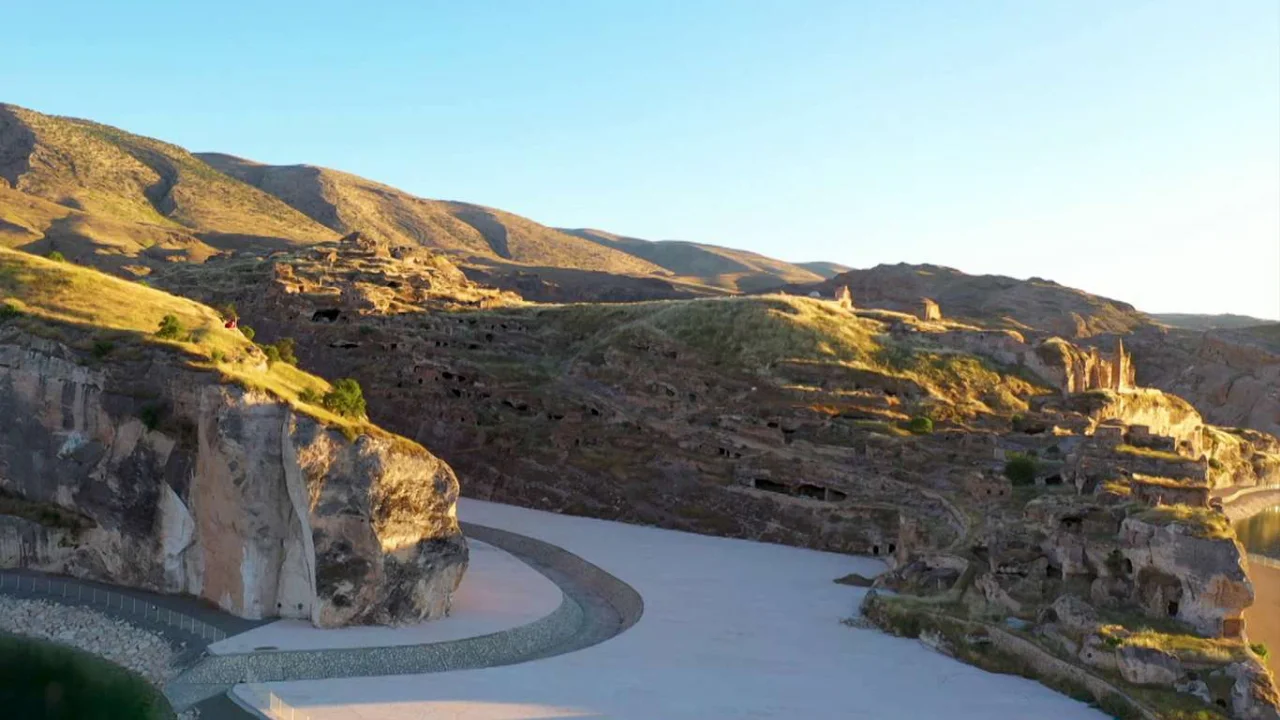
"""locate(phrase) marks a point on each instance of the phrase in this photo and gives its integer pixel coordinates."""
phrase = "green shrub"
(1260, 649)
(248, 332)
(103, 348)
(9, 312)
(1021, 469)
(346, 399)
(170, 328)
(280, 351)
(920, 425)
(310, 396)
(57, 256)
(46, 680)
(285, 346)
(217, 356)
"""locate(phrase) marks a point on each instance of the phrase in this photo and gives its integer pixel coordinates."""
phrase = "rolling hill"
(995, 300)
(1226, 321)
(125, 178)
(345, 203)
(736, 270)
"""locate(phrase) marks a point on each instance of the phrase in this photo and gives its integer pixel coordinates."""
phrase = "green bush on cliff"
(57, 256)
(170, 328)
(921, 425)
(1021, 469)
(280, 351)
(346, 399)
(248, 332)
(1260, 649)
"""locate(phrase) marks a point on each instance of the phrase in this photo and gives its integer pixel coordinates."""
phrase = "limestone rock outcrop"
(1199, 580)
(154, 475)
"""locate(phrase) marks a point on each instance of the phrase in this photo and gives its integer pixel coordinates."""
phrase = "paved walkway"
(595, 607)
(731, 629)
(498, 592)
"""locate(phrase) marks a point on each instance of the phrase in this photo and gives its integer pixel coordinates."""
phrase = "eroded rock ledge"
(149, 474)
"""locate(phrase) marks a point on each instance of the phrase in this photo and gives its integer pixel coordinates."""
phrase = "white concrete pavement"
(498, 592)
(731, 629)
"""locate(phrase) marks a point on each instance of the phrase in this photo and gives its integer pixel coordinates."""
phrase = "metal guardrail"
(56, 588)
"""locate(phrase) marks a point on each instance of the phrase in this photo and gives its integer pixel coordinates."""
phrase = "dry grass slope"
(345, 203)
(767, 334)
(113, 174)
(85, 308)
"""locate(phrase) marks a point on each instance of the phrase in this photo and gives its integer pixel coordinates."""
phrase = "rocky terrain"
(192, 463)
(1042, 469)
(117, 641)
(809, 422)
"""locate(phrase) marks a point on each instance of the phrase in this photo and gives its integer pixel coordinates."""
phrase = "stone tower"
(845, 298)
(929, 310)
(1124, 376)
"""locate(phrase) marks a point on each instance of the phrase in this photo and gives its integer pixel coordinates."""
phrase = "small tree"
(57, 256)
(346, 399)
(1021, 469)
(248, 332)
(920, 425)
(285, 346)
(170, 328)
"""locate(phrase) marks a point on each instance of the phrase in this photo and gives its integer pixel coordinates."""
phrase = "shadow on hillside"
(259, 243)
(556, 284)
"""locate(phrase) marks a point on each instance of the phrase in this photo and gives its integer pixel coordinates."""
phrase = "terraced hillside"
(1006, 481)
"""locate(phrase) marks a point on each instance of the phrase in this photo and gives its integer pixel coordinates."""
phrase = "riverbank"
(1244, 503)
(1262, 620)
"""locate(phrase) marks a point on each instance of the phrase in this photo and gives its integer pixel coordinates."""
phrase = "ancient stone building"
(844, 297)
(929, 310)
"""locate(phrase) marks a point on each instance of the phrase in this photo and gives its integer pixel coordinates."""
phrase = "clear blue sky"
(1126, 147)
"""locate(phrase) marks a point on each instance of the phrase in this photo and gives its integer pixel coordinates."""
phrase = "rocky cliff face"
(1230, 376)
(153, 475)
(1199, 580)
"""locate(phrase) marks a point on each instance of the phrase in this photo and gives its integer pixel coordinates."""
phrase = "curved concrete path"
(596, 606)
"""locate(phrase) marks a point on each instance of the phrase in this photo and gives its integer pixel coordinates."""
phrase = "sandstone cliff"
(125, 460)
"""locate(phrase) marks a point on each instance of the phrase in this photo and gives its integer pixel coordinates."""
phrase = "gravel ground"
(117, 641)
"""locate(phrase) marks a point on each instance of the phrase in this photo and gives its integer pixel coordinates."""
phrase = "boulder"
(1148, 666)
(1198, 580)
(1253, 695)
